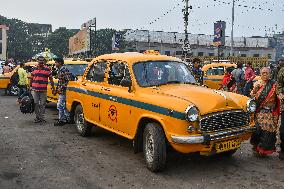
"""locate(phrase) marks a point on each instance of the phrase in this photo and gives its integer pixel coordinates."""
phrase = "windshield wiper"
(191, 83)
(175, 81)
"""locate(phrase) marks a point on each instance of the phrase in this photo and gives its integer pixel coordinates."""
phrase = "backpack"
(27, 104)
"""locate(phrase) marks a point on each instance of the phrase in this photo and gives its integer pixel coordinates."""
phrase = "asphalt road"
(43, 156)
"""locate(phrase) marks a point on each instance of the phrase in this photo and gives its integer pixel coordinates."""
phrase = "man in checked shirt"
(64, 77)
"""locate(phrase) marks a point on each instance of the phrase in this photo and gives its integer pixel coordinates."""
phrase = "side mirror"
(125, 83)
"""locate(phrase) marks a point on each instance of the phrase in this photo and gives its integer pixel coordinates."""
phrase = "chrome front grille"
(224, 121)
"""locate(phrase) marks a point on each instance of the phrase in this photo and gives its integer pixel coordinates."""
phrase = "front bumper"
(205, 138)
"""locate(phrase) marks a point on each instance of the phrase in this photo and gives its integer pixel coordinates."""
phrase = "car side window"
(118, 72)
(90, 74)
(97, 72)
(215, 71)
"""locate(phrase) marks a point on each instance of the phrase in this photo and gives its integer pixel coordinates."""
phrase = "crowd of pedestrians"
(268, 93)
(37, 88)
(8, 66)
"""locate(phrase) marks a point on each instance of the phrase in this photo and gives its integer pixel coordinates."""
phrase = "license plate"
(227, 145)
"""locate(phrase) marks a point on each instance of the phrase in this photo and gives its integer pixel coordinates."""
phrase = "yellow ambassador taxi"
(9, 81)
(154, 101)
(75, 67)
(213, 74)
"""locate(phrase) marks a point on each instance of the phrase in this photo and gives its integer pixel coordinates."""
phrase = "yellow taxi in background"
(154, 101)
(75, 67)
(213, 74)
(9, 81)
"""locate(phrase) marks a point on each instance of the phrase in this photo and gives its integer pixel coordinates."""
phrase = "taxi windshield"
(156, 73)
(76, 69)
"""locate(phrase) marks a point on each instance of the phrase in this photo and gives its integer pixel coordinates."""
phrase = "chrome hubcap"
(14, 90)
(150, 148)
(80, 121)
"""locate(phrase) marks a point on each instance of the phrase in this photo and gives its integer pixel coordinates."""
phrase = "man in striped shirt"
(38, 83)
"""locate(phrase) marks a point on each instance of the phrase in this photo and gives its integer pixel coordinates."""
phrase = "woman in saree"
(267, 114)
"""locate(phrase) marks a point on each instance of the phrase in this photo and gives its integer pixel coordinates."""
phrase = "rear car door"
(116, 106)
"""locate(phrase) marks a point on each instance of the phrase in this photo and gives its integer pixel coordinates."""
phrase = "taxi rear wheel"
(154, 147)
(83, 127)
(13, 90)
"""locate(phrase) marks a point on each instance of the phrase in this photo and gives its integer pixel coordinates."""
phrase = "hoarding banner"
(89, 23)
(80, 42)
(219, 33)
(116, 42)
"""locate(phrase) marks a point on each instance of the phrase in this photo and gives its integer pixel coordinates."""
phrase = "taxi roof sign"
(152, 52)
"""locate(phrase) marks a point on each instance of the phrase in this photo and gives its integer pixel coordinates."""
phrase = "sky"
(252, 17)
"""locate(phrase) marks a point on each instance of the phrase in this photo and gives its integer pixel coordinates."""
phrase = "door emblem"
(112, 113)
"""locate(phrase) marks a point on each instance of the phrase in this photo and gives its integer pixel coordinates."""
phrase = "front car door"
(92, 84)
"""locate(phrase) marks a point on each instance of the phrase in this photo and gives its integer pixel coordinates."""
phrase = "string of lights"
(242, 6)
(272, 28)
(158, 18)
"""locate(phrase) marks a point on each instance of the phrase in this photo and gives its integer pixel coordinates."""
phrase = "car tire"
(83, 127)
(228, 153)
(13, 90)
(154, 147)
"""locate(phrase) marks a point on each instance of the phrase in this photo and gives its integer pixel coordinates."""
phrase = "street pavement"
(43, 156)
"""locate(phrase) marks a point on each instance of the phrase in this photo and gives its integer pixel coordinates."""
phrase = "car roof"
(134, 57)
(207, 66)
(70, 62)
(31, 63)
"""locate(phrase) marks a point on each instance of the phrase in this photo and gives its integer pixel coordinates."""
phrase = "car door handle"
(113, 98)
(84, 84)
(106, 89)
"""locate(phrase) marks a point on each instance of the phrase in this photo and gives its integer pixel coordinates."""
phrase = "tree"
(103, 42)
(22, 43)
(58, 41)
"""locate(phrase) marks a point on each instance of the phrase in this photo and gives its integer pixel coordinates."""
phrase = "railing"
(256, 61)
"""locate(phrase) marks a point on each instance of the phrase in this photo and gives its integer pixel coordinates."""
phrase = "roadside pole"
(232, 30)
(92, 24)
(186, 45)
(90, 50)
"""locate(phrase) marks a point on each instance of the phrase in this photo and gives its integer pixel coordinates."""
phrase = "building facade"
(277, 41)
(3, 42)
(170, 43)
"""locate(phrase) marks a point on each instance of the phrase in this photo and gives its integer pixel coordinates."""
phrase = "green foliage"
(103, 42)
(24, 40)
(58, 41)
(19, 45)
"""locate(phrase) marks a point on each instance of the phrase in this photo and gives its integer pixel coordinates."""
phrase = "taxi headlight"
(251, 106)
(191, 113)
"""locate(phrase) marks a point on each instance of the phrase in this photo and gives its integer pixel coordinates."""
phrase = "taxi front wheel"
(83, 127)
(228, 153)
(154, 147)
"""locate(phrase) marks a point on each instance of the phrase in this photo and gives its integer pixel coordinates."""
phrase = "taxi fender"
(147, 118)
(71, 107)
